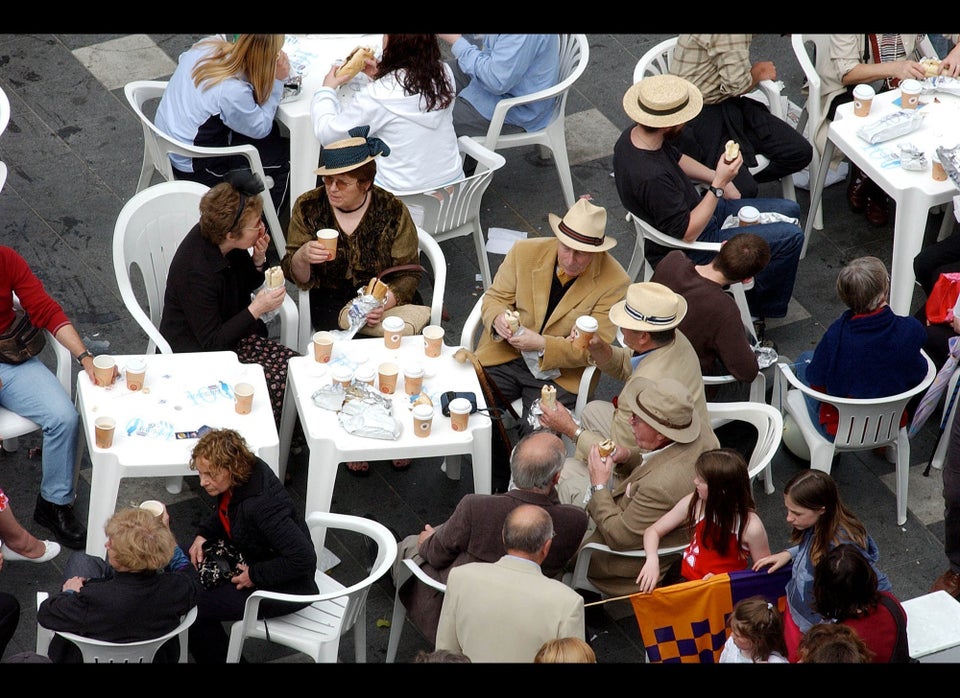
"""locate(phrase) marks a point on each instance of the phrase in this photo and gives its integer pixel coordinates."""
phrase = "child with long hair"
(820, 521)
(725, 529)
(756, 634)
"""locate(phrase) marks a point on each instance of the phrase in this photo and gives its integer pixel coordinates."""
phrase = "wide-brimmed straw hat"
(351, 153)
(583, 228)
(649, 307)
(659, 101)
(667, 406)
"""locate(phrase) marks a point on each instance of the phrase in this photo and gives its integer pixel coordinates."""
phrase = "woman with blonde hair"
(565, 650)
(226, 93)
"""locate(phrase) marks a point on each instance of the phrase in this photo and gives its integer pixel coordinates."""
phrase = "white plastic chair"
(103, 652)
(454, 210)
(429, 248)
(157, 146)
(12, 425)
(578, 579)
(810, 114)
(864, 424)
(315, 630)
(656, 61)
(4, 111)
(768, 422)
(574, 55)
(3, 174)
(399, 618)
(470, 336)
(148, 231)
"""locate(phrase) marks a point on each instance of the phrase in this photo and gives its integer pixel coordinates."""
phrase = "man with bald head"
(473, 533)
(504, 611)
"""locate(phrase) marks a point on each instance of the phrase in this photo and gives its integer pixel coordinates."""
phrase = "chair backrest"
(453, 210)
(148, 231)
(864, 423)
(768, 422)
(655, 61)
(430, 249)
(316, 629)
(157, 147)
(574, 56)
(578, 579)
(103, 652)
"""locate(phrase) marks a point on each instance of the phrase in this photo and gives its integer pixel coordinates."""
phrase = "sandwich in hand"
(548, 396)
(606, 447)
(513, 319)
(273, 277)
(355, 62)
(931, 66)
(377, 289)
(730, 151)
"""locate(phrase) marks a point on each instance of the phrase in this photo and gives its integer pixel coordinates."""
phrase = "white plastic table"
(933, 627)
(319, 52)
(181, 393)
(914, 192)
(330, 444)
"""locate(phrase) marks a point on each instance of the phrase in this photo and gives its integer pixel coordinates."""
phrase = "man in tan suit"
(648, 318)
(550, 282)
(670, 431)
(504, 611)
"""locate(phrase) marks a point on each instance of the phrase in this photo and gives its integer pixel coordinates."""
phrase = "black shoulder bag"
(21, 340)
(901, 651)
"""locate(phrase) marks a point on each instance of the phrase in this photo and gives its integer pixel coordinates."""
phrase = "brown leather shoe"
(857, 190)
(949, 581)
(878, 209)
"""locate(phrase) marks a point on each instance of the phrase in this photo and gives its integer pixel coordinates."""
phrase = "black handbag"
(220, 563)
(21, 340)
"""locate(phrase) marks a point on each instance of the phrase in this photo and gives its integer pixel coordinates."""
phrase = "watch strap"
(84, 354)
(716, 191)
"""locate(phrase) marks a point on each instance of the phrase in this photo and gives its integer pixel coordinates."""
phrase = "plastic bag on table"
(270, 314)
(912, 158)
(357, 315)
(368, 413)
(941, 83)
(890, 126)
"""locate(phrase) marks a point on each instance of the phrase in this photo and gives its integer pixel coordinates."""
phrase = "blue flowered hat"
(350, 153)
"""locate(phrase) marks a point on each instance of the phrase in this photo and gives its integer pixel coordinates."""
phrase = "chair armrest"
(290, 324)
(652, 233)
(416, 571)
(44, 636)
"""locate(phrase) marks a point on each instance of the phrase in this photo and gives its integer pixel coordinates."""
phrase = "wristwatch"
(596, 488)
(85, 354)
(716, 191)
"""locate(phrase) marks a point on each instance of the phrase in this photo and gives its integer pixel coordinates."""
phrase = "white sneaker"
(52, 549)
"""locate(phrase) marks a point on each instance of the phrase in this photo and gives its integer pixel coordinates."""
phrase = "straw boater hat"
(667, 406)
(350, 153)
(649, 307)
(662, 100)
(583, 228)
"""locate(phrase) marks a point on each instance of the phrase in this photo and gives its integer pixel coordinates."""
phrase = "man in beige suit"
(648, 318)
(671, 433)
(504, 611)
(550, 282)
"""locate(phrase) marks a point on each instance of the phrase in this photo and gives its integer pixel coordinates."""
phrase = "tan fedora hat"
(649, 307)
(583, 228)
(659, 101)
(667, 406)
(351, 153)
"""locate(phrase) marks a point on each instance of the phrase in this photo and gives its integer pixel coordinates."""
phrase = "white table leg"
(104, 489)
(321, 478)
(909, 225)
(482, 459)
(288, 417)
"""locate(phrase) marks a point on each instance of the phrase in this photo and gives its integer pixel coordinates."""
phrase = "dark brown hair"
(815, 489)
(420, 69)
(845, 584)
(729, 498)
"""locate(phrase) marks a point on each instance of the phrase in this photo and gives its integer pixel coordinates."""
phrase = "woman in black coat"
(255, 514)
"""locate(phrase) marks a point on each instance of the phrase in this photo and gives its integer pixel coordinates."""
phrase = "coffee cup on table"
(584, 330)
(387, 377)
(104, 427)
(432, 340)
(413, 379)
(343, 375)
(392, 331)
(460, 409)
(328, 238)
(937, 170)
(748, 215)
(910, 93)
(422, 420)
(135, 371)
(243, 398)
(863, 95)
(104, 369)
(366, 374)
(322, 346)
(154, 506)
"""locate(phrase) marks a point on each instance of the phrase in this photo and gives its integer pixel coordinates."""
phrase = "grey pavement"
(74, 151)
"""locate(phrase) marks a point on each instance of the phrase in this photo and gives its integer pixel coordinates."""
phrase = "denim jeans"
(31, 390)
(772, 287)
(813, 405)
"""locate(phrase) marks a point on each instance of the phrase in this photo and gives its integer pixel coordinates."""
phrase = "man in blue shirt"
(507, 65)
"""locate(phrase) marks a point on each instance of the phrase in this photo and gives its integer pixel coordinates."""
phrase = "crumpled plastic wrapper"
(362, 410)
(912, 158)
(890, 126)
(766, 356)
(732, 221)
(950, 159)
(941, 83)
(357, 315)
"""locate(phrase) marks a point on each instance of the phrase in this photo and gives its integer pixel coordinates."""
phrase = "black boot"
(60, 519)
